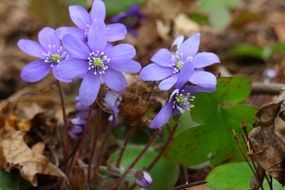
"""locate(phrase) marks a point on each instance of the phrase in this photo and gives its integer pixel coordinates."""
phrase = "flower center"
(98, 62)
(55, 57)
(177, 62)
(182, 102)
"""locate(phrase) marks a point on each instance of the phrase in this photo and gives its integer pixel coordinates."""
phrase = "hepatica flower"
(178, 103)
(97, 62)
(83, 20)
(181, 64)
(48, 51)
(112, 101)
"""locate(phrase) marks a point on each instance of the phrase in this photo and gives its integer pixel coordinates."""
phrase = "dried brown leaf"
(15, 153)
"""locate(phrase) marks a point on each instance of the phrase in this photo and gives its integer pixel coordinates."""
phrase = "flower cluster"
(83, 52)
(182, 64)
(86, 51)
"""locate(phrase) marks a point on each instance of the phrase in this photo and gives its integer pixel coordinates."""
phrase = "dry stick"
(96, 136)
(254, 171)
(184, 186)
(135, 161)
(267, 88)
(65, 137)
(101, 151)
(128, 137)
(156, 159)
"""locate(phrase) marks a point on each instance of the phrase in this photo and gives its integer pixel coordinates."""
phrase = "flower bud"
(143, 179)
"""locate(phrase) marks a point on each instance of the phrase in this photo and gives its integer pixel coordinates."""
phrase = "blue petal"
(203, 78)
(97, 36)
(75, 47)
(89, 89)
(72, 68)
(128, 66)
(153, 72)
(35, 71)
(98, 11)
(116, 32)
(115, 80)
(32, 48)
(205, 59)
(190, 47)
(121, 52)
(163, 116)
(184, 74)
(48, 39)
(79, 16)
(62, 31)
(178, 41)
(168, 83)
(162, 57)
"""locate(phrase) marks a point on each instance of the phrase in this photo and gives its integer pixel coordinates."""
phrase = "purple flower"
(181, 65)
(179, 102)
(112, 101)
(97, 62)
(78, 127)
(143, 179)
(131, 18)
(83, 20)
(49, 51)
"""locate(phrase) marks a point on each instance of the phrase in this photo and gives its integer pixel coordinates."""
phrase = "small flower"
(178, 103)
(78, 127)
(131, 18)
(269, 74)
(180, 65)
(49, 51)
(112, 101)
(143, 179)
(83, 20)
(97, 62)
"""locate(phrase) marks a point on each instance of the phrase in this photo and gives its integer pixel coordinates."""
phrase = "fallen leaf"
(15, 153)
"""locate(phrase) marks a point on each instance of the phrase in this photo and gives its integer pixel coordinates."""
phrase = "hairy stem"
(93, 150)
(127, 139)
(137, 159)
(163, 149)
(65, 121)
(102, 148)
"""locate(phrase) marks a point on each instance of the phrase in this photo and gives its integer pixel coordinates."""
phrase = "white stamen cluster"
(182, 102)
(54, 57)
(177, 64)
(98, 62)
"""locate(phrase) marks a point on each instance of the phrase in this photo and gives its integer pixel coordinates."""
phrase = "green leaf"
(234, 176)
(218, 11)
(253, 51)
(163, 171)
(12, 181)
(78, 2)
(116, 6)
(218, 113)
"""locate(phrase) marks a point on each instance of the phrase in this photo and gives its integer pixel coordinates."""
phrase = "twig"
(253, 168)
(184, 186)
(137, 159)
(267, 88)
